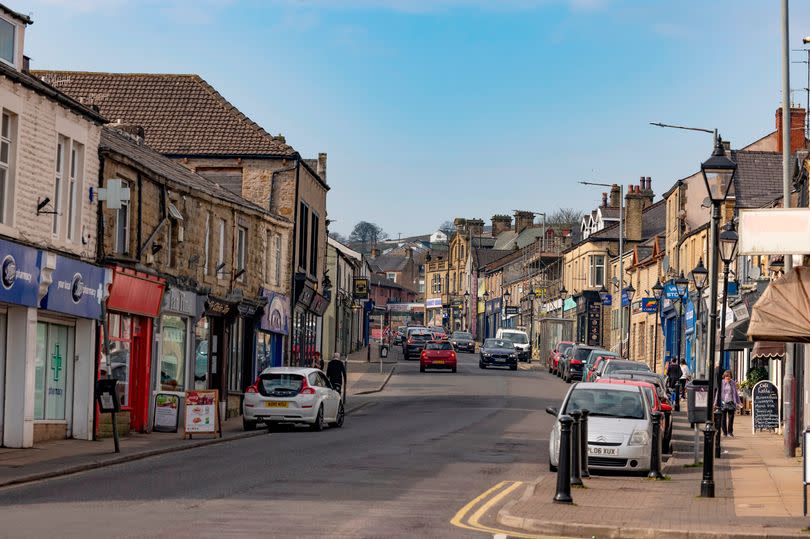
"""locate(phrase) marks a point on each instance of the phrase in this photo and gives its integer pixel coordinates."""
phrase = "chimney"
(409, 253)
(635, 204)
(321, 169)
(134, 131)
(615, 196)
(604, 200)
(461, 225)
(375, 252)
(797, 139)
(26, 64)
(500, 224)
(523, 220)
(475, 227)
(646, 190)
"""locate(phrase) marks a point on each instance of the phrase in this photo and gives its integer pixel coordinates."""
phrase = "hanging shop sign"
(276, 315)
(202, 412)
(77, 288)
(594, 324)
(765, 406)
(247, 309)
(217, 307)
(689, 316)
(360, 286)
(607, 300)
(319, 304)
(305, 295)
(433, 303)
(512, 310)
(167, 407)
(671, 291)
(19, 274)
(625, 299)
(649, 305)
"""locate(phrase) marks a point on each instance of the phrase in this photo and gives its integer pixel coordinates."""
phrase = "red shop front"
(134, 301)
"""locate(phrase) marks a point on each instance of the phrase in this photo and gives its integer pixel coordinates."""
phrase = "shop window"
(51, 370)
(236, 357)
(7, 41)
(241, 252)
(303, 232)
(7, 141)
(201, 355)
(278, 259)
(264, 351)
(57, 184)
(207, 243)
(120, 347)
(122, 226)
(313, 255)
(75, 178)
(597, 276)
(173, 353)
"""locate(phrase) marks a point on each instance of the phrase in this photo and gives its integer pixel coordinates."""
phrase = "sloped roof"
(653, 221)
(505, 239)
(608, 212)
(378, 280)
(483, 257)
(758, 179)
(180, 114)
(392, 262)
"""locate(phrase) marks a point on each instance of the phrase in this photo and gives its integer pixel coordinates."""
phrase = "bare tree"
(564, 218)
(337, 236)
(448, 228)
(368, 234)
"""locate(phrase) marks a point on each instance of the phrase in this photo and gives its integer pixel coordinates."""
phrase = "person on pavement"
(685, 375)
(729, 403)
(673, 381)
(336, 372)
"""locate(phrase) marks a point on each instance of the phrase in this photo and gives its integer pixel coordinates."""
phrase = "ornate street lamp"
(629, 292)
(699, 275)
(506, 295)
(467, 310)
(681, 285)
(563, 296)
(603, 293)
(718, 174)
(728, 243)
(658, 292)
(728, 250)
(682, 288)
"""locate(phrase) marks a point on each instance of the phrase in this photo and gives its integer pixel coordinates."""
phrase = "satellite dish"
(755, 272)
(665, 263)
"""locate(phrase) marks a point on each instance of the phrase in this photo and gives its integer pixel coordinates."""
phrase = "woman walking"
(729, 399)
(673, 381)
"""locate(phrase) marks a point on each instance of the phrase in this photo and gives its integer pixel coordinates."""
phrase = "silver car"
(619, 426)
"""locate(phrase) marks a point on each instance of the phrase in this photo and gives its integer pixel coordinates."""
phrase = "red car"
(438, 333)
(438, 355)
(553, 360)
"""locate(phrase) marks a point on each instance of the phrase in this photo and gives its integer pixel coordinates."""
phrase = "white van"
(521, 341)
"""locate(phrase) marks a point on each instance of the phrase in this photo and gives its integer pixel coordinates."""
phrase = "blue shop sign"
(732, 288)
(77, 288)
(671, 291)
(608, 300)
(19, 274)
(625, 299)
(649, 305)
(689, 314)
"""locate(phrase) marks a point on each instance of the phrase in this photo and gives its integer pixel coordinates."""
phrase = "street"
(405, 462)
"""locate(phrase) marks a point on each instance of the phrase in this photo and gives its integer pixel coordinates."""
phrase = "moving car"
(414, 340)
(574, 361)
(619, 426)
(292, 395)
(611, 365)
(519, 340)
(462, 341)
(498, 353)
(556, 353)
(398, 333)
(438, 332)
(589, 363)
(438, 355)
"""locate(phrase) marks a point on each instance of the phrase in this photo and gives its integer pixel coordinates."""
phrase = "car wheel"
(407, 357)
(318, 424)
(551, 467)
(248, 425)
(454, 369)
(513, 367)
(272, 426)
(421, 368)
(481, 365)
(341, 415)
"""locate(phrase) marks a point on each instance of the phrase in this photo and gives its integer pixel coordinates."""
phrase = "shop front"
(274, 326)
(433, 311)
(589, 318)
(133, 306)
(211, 344)
(307, 318)
(492, 317)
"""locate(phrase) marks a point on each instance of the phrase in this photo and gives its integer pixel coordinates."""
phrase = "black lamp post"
(728, 249)
(718, 173)
(603, 295)
(486, 318)
(658, 292)
(531, 295)
(467, 310)
(506, 296)
(563, 297)
(699, 276)
(629, 291)
(682, 286)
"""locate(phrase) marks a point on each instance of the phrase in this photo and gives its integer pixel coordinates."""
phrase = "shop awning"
(782, 313)
(768, 349)
(736, 338)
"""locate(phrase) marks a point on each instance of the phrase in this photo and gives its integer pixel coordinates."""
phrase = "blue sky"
(431, 110)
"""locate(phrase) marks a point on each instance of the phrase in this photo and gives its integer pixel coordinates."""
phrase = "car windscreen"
(462, 336)
(497, 343)
(439, 346)
(272, 381)
(650, 399)
(565, 347)
(582, 353)
(607, 403)
(626, 366)
(421, 336)
(518, 338)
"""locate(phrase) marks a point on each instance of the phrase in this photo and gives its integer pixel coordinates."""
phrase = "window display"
(54, 347)
(173, 353)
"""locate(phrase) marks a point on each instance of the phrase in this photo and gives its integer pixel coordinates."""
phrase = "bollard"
(564, 462)
(667, 445)
(576, 450)
(655, 454)
(583, 438)
(676, 404)
(718, 417)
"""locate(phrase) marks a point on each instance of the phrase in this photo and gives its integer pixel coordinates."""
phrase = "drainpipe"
(294, 263)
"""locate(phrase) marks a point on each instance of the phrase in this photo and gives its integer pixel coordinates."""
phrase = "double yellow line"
(469, 520)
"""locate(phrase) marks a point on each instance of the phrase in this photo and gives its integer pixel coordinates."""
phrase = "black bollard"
(707, 484)
(564, 462)
(667, 445)
(677, 403)
(583, 439)
(655, 454)
(576, 450)
(718, 417)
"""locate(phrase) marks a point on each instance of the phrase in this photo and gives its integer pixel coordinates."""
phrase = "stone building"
(197, 270)
(186, 119)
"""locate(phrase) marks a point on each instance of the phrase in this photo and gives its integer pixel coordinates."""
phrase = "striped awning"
(768, 349)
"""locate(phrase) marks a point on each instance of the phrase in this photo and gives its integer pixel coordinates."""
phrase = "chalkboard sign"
(765, 406)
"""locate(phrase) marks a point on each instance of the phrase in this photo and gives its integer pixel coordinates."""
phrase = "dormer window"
(8, 33)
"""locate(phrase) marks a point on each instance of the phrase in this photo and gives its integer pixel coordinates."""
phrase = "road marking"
(492, 497)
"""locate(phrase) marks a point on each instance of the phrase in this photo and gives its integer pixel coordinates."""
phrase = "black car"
(462, 341)
(414, 341)
(498, 353)
(575, 362)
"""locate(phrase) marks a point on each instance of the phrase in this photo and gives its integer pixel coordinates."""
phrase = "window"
(421, 286)
(236, 357)
(436, 284)
(57, 184)
(221, 252)
(6, 171)
(597, 277)
(122, 226)
(74, 181)
(169, 238)
(7, 39)
(52, 369)
(173, 353)
(207, 243)
(241, 251)
(391, 276)
(303, 231)
(278, 259)
(313, 256)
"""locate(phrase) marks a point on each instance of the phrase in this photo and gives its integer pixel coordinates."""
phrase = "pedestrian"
(336, 372)
(317, 362)
(730, 402)
(673, 382)
(685, 376)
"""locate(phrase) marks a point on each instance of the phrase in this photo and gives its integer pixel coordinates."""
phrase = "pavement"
(65, 457)
(758, 493)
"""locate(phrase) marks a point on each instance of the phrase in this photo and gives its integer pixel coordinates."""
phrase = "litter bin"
(384, 350)
(697, 398)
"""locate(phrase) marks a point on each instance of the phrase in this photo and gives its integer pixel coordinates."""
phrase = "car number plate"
(275, 404)
(438, 362)
(500, 359)
(610, 451)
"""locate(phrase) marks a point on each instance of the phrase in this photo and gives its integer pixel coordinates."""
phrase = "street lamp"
(603, 296)
(718, 173)
(682, 288)
(506, 296)
(699, 276)
(658, 292)
(531, 295)
(467, 310)
(728, 249)
(629, 291)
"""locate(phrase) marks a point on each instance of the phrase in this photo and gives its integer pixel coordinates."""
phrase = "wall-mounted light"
(156, 247)
(220, 267)
(239, 273)
(42, 203)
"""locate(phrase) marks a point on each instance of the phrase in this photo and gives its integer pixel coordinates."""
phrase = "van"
(520, 340)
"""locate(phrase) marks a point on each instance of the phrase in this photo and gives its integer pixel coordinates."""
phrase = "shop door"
(141, 369)
(2, 373)
(53, 373)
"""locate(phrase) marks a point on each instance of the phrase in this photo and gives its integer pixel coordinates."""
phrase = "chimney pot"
(321, 170)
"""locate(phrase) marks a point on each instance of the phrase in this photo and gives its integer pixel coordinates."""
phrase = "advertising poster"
(166, 412)
(201, 411)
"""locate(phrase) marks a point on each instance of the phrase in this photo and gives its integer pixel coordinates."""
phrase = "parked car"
(592, 357)
(619, 426)
(656, 403)
(610, 365)
(498, 353)
(462, 341)
(438, 332)
(398, 333)
(292, 395)
(574, 361)
(659, 381)
(519, 340)
(437, 355)
(556, 353)
(414, 341)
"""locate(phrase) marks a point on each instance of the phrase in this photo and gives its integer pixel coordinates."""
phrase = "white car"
(520, 340)
(292, 395)
(619, 426)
